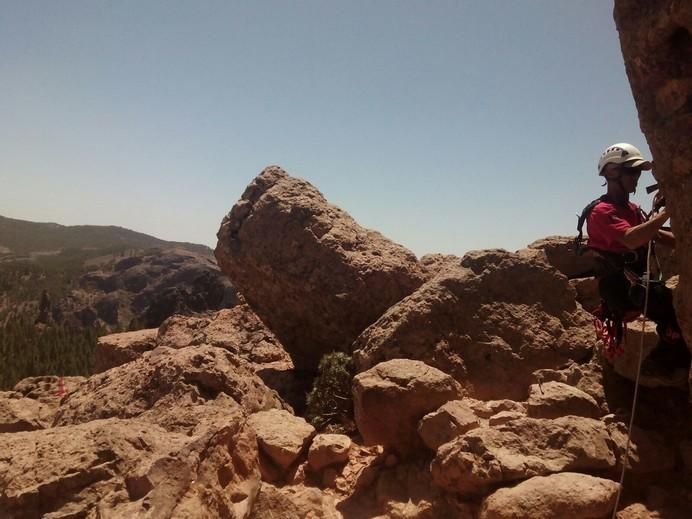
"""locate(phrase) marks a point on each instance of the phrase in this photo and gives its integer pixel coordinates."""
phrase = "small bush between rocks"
(330, 403)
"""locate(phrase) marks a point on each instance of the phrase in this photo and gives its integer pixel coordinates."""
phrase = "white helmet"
(625, 154)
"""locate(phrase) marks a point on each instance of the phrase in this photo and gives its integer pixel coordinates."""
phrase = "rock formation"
(489, 321)
(308, 270)
(656, 41)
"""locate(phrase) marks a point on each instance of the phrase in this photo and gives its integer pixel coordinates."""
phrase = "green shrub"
(330, 403)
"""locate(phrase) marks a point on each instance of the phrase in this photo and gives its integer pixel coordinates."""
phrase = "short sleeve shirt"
(608, 222)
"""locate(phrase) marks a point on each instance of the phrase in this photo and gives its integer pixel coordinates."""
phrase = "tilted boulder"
(390, 399)
(568, 494)
(308, 270)
(656, 38)
(520, 449)
(120, 348)
(489, 322)
(164, 379)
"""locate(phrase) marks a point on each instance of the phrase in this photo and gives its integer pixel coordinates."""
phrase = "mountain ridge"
(22, 238)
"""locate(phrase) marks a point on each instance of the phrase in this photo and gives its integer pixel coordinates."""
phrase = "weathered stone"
(521, 449)
(48, 389)
(486, 409)
(393, 396)
(453, 419)
(489, 323)
(22, 414)
(165, 378)
(119, 348)
(504, 417)
(555, 399)
(281, 435)
(568, 494)
(328, 449)
(586, 377)
(656, 42)
(311, 273)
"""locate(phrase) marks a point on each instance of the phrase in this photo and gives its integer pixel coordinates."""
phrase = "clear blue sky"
(446, 125)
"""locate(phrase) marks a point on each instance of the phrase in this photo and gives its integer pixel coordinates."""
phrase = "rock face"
(141, 291)
(451, 420)
(521, 449)
(392, 397)
(568, 494)
(656, 41)
(311, 273)
(489, 322)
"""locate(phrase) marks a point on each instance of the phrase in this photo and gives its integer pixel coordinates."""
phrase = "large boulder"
(568, 494)
(390, 399)
(311, 273)
(656, 42)
(164, 380)
(18, 413)
(282, 436)
(489, 321)
(520, 449)
(129, 468)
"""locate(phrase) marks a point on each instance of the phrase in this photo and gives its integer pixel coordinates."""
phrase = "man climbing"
(619, 232)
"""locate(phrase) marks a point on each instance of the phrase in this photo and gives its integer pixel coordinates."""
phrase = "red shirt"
(608, 222)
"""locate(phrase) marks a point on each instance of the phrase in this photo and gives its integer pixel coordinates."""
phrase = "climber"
(619, 233)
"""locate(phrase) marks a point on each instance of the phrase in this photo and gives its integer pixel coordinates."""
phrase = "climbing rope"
(625, 456)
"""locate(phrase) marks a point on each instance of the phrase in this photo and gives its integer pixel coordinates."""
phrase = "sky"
(445, 125)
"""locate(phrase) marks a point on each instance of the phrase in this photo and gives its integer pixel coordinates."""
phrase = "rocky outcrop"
(489, 322)
(162, 382)
(308, 270)
(22, 414)
(237, 330)
(568, 494)
(656, 42)
(521, 449)
(393, 396)
(119, 468)
(141, 291)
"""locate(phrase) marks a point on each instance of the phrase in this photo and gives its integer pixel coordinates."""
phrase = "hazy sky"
(446, 125)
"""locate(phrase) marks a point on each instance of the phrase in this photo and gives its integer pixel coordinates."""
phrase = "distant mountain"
(104, 277)
(24, 239)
